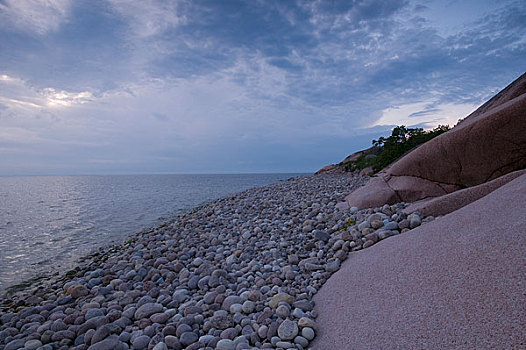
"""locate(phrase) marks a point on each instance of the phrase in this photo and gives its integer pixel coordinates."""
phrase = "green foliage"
(387, 150)
(348, 223)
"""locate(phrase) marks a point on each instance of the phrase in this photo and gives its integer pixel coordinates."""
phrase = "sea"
(48, 222)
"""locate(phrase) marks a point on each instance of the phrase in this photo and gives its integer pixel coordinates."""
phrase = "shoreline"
(238, 272)
(52, 222)
(115, 243)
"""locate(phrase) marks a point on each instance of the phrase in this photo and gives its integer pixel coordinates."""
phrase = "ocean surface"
(47, 223)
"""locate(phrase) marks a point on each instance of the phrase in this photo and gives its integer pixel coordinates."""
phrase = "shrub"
(387, 150)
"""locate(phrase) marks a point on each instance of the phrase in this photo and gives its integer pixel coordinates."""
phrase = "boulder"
(486, 145)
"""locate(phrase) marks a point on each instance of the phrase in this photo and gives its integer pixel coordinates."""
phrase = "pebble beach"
(237, 273)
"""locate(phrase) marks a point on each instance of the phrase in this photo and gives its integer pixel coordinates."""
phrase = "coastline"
(51, 222)
(43, 278)
(239, 272)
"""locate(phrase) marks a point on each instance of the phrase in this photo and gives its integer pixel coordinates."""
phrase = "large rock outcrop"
(340, 168)
(486, 145)
(454, 283)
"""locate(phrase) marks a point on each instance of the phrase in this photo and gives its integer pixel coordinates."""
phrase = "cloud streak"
(34, 16)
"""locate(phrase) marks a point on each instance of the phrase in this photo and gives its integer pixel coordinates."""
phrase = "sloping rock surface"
(489, 143)
(455, 283)
(456, 200)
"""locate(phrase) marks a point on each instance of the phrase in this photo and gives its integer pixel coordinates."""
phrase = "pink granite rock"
(446, 204)
(489, 143)
(456, 283)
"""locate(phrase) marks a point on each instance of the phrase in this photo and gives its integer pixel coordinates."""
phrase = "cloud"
(63, 98)
(149, 18)
(350, 15)
(426, 113)
(18, 93)
(35, 16)
(179, 85)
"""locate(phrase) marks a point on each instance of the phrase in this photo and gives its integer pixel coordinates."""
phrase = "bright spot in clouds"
(65, 99)
(425, 114)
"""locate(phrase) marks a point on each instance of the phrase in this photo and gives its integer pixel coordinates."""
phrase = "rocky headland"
(488, 144)
(457, 283)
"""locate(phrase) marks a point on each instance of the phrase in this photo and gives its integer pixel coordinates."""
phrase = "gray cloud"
(223, 86)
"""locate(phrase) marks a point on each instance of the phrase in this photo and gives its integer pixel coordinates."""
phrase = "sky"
(208, 86)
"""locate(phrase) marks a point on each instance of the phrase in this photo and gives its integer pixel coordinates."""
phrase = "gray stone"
(415, 221)
(91, 313)
(205, 339)
(236, 308)
(147, 310)
(32, 344)
(229, 333)
(301, 341)
(383, 234)
(321, 235)
(376, 224)
(230, 300)
(100, 334)
(180, 295)
(332, 266)
(391, 225)
(262, 331)
(160, 317)
(141, 342)
(284, 345)
(125, 337)
(403, 224)
(307, 333)
(172, 342)
(288, 330)
(225, 344)
(305, 305)
(313, 267)
(160, 346)
(283, 311)
(182, 328)
(15, 344)
(248, 307)
(221, 322)
(297, 313)
(364, 225)
(188, 338)
(372, 236)
(112, 343)
(6, 318)
(59, 325)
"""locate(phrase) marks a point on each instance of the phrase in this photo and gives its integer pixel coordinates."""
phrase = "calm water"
(47, 223)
